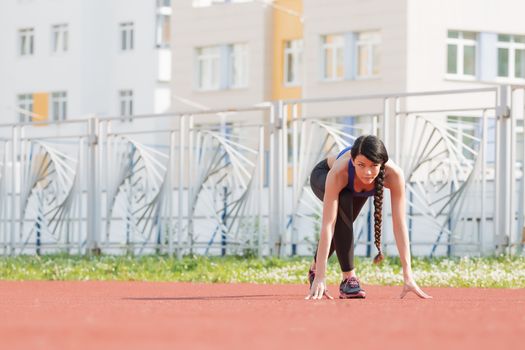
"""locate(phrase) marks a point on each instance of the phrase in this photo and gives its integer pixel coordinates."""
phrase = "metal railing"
(235, 181)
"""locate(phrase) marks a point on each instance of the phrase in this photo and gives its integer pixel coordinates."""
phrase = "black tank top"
(351, 174)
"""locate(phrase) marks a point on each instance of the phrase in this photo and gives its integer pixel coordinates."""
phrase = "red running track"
(139, 315)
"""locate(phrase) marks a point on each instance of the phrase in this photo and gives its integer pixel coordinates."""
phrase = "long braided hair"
(373, 148)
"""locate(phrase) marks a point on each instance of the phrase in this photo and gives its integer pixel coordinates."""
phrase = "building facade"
(68, 59)
(312, 48)
(223, 55)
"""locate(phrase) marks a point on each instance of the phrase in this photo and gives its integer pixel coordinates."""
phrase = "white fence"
(236, 181)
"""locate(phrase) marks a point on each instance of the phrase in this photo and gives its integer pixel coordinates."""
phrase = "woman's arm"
(396, 184)
(397, 196)
(330, 206)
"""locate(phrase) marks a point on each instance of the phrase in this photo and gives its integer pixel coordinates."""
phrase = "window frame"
(26, 42)
(369, 44)
(163, 22)
(58, 105)
(295, 54)
(126, 36)
(59, 38)
(25, 102)
(208, 58)
(511, 46)
(334, 46)
(460, 43)
(125, 103)
(233, 58)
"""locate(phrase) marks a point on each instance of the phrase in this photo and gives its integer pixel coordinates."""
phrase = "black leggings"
(347, 211)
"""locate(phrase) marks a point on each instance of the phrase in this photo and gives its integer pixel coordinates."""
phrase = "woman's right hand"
(318, 289)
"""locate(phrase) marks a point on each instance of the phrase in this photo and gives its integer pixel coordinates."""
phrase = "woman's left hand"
(411, 286)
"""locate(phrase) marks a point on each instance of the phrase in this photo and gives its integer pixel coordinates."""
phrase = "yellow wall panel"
(286, 27)
(40, 106)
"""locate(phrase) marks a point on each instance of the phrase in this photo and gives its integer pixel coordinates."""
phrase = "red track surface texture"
(136, 315)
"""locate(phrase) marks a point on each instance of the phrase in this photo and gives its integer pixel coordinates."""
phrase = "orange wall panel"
(40, 106)
(287, 26)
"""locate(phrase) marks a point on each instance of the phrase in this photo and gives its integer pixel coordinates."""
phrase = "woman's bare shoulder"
(338, 170)
(393, 174)
(331, 158)
(338, 164)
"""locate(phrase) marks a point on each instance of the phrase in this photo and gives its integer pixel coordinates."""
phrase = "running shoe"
(350, 289)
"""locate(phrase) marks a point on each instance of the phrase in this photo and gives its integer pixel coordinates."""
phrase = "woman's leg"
(317, 183)
(349, 208)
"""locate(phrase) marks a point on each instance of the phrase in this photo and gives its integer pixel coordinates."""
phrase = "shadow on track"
(218, 297)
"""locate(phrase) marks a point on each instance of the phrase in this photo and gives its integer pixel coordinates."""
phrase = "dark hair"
(373, 148)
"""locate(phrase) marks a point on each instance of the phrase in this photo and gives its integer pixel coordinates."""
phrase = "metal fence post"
(180, 190)
(275, 176)
(169, 195)
(13, 210)
(521, 227)
(503, 196)
(283, 174)
(260, 190)
(272, 213)
(295, 176)
(389, 125)
(4, 190)
(390, 136)
(517, 113)
(93, 197)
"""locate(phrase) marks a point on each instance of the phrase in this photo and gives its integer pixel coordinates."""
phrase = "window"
(25, 107)
(163, 34)
(238, 65)
(293, 52)
(26, 39)
(511, 56)
(58, 106)
(333, 57)
(222, 67)
(367, 50)
(163, 30)
(126, 36)
(126, 103)
(461, 53)
(208, 67)
(59, 38)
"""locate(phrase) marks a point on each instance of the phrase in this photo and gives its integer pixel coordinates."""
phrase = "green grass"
(496, 272)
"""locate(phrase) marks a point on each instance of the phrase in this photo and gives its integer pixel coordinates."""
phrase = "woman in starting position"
(344, 183)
